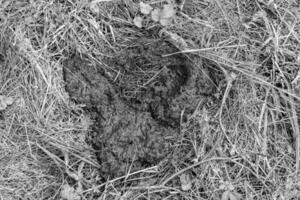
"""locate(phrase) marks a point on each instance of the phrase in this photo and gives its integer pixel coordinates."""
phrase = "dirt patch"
(136, 104)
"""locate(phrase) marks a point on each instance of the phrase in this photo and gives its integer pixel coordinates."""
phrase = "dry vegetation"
(252, 132)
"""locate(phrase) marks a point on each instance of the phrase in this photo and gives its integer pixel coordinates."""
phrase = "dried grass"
(256, 151)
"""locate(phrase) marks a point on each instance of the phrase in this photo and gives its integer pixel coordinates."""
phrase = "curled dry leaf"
(260, 15)
(186, 183)
(177, 40)
(229, 195)
(234, 196)
(155, 14)
(138, 21)
(233, 150)
(226, 185)
(94, 7)
(165, 21)
(69, 193)
(5, 101)
(168, 11)
(225, 195)
(165, 15)
(145, 8)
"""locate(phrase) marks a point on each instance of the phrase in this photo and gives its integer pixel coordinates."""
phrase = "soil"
(138, 103)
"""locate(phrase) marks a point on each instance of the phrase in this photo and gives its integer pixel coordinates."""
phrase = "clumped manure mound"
(136, 111)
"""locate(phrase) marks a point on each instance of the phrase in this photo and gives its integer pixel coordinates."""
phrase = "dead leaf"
(67, 192)
(177, 40)
(5, 101)
(145, 8)
(229, 195)
(138, 21)
(290, 148)
(155, 14)
(167, 14)
(233, 150)
(168, 11)
(225, 195)
(186, 183)
(94, 7)
(165, 22)
(234, 196)
(226, 185)
(93, 22)
(258, 16)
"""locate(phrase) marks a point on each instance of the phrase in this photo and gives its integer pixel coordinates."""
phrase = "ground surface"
(131, 99)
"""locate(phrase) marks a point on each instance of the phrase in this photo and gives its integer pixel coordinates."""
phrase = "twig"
(152, 169)
(188, 168)
(230, 78)
(203, 49)
(296, 134)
